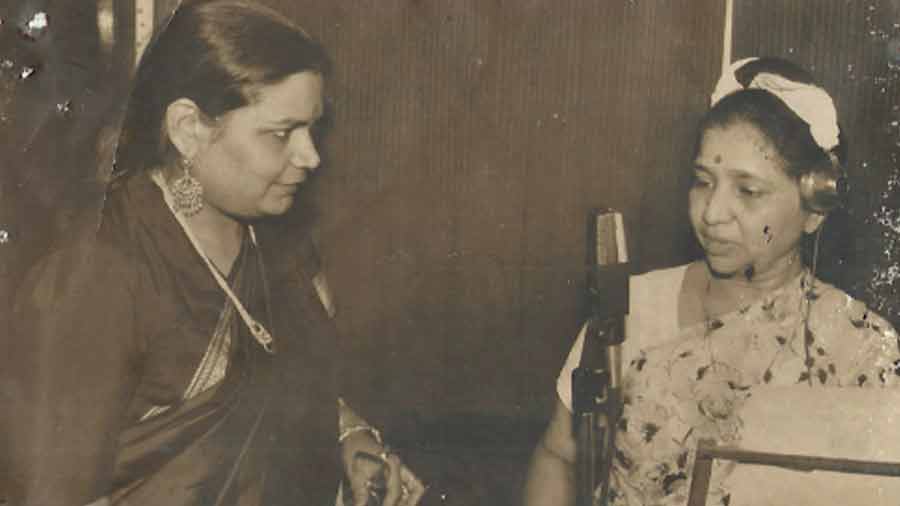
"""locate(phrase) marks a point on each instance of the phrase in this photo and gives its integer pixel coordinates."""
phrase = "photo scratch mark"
(27, 72)
(36, 26)
(64, 107)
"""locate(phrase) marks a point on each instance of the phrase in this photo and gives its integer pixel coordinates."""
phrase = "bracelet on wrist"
(353, 429)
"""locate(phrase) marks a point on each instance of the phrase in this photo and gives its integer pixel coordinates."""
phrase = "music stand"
(707, 451)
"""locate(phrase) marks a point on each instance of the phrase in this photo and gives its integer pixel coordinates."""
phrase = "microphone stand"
(596, 396)
(597, 401)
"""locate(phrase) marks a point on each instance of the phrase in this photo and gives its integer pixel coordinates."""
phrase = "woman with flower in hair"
(185, 355)
(700, 337)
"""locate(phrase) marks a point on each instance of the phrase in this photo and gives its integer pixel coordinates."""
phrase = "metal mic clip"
(596, 376)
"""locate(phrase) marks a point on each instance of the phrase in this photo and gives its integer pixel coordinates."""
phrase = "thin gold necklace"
(259, 332)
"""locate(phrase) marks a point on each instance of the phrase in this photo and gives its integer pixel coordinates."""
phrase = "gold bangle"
(353, 429)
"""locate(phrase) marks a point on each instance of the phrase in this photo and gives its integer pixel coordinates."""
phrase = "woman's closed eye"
(283, 135)
(750, 192)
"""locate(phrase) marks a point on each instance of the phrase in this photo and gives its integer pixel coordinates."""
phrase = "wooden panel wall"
(470, 139)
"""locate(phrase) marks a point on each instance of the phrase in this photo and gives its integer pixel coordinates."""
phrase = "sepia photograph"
(449, 252)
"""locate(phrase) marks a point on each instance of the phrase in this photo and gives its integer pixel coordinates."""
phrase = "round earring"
(187, 193)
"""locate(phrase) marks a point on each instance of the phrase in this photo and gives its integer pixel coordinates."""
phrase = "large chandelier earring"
(187, 193)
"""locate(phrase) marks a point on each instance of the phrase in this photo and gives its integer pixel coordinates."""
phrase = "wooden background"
(470, 139)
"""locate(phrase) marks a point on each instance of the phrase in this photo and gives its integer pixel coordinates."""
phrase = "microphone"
(608, 286)
(596, 382)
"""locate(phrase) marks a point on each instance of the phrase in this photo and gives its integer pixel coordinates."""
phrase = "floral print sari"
(691, 384)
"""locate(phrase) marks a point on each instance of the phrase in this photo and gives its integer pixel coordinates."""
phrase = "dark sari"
(110, 334)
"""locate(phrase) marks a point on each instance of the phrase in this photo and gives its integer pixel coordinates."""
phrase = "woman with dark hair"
(700, 337)
(186, 354)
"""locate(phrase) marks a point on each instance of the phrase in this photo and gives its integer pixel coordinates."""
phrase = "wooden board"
(839, 423)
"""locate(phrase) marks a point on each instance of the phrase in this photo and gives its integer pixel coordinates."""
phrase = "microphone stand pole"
(596, 409)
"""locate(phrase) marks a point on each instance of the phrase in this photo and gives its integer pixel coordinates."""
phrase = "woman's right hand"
(383, 480)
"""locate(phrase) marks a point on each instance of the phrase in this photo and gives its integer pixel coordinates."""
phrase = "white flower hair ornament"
(808, 101)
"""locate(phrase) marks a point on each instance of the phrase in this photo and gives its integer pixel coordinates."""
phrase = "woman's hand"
(375, 472)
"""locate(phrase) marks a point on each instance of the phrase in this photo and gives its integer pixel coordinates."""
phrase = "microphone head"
(609, 268)
(606, 238)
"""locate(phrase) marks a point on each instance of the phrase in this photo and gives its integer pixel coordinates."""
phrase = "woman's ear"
(813, 222)
(184, 127)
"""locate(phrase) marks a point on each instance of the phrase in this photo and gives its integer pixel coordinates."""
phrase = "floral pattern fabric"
(692, 384)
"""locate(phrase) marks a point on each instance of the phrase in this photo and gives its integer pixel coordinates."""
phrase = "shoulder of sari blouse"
(653, 311)
(100, 275)
(85, 263)
(646, 326)
(650, 288)
(861, 346)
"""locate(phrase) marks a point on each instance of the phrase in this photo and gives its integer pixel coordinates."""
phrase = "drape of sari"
(199, 445)
(683, 384)
(132, 377)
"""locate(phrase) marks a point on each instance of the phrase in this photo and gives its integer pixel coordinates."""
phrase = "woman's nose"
(718, 207)
(304, 154)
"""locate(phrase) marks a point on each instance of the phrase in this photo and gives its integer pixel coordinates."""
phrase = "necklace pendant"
(263, 337)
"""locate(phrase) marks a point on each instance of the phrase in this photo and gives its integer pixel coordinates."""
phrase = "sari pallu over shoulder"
(107, 333)
(190, 452)
(271, 424)
(302, 421)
